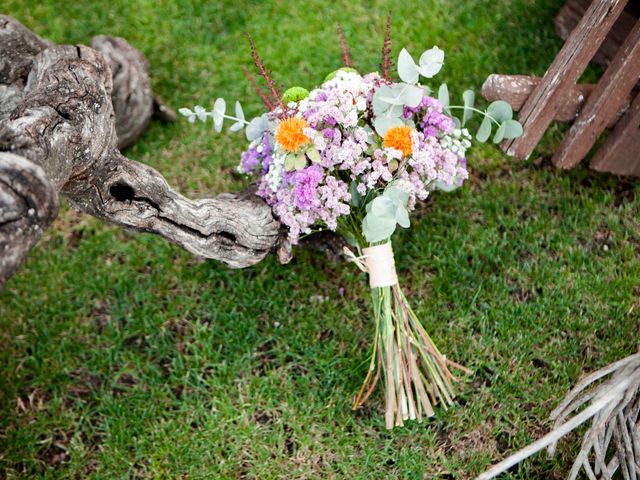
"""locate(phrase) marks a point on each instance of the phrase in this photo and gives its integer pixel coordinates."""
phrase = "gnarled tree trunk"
(60, 136)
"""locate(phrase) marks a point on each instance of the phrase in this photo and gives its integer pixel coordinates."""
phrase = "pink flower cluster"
(339, 115)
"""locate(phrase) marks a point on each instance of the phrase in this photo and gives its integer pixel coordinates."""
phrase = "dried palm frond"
(613, 440)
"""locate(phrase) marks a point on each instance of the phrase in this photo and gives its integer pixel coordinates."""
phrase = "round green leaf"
(512, 129)
(499, 136)
(500, 110)
(484, 132)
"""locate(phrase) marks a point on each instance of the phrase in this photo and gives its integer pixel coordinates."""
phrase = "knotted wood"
(61, 138)
(133, 101)
(28, 205)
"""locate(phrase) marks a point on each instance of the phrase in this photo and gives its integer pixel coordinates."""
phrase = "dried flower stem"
(385, 66)
(346, 59)
(415, 373)
(256, 87)
(262, 70)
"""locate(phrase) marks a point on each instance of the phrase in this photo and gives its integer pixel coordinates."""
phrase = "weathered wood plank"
(605, 100)
(545, 101)
(569, 16)
(620, 153)
(515, 89)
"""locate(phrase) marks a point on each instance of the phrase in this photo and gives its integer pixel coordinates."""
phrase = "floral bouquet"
(354, 156)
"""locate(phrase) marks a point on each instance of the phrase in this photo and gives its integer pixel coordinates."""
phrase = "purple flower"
(250, 160)
(257, 156)
(433, 121)
(328, 132)
(305, 187)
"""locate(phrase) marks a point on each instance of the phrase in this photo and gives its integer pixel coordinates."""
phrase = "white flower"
(351, 118)
(457, 142)
(274, 175)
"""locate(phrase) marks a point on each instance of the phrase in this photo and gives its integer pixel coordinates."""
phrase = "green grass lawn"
(122, 356)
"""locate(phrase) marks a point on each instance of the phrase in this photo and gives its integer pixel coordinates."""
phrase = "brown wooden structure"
(607, 32)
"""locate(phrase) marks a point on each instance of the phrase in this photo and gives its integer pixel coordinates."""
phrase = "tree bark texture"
(60, 135)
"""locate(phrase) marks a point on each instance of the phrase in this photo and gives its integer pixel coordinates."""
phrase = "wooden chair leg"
(603, 103)
(620, 153)
(545, 101)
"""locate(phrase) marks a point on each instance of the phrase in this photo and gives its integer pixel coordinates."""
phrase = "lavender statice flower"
(306, 187)
(433, 121)
(257, 157)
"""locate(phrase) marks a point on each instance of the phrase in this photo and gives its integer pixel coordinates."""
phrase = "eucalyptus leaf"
(500, 110)
(484, 132)
(377, 229)
(200, 112)
(431, 62)
(499, 136)
(191, 116)
(457, 122)
(236, 127)
(383, 207)
(300, 162)
(512, 129)
(256, 128)
(443, 95)
(402, 217)
(384, 123)
(395, 111)
(397, 195)
(412, 95)
(239, 112)
(219, 107)
(391, 100)
(379, 105)
(407, 69)
(469, 98)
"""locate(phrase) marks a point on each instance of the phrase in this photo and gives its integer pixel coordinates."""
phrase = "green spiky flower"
(333, 74)
(294, 94)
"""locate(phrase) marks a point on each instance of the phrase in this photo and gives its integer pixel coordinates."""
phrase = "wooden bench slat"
(620, 153)
(545, 101)
(571, 13)
(603, 103)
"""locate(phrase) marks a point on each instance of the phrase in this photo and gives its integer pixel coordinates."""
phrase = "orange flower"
(399, 138)
(290, 133)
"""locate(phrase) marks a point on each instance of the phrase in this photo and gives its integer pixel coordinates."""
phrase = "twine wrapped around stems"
(381, 265)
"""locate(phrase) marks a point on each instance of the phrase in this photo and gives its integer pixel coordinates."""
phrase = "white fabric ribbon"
(378, 262)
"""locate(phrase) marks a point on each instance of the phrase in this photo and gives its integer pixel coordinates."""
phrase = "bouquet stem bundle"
(415, 374)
